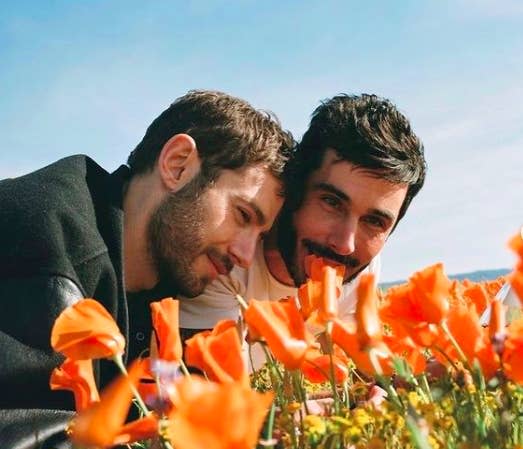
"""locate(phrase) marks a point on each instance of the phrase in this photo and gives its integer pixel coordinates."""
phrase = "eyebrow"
(343, 196)
(260, 216)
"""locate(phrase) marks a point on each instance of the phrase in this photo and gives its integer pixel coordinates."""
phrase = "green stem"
(119, 362)
(427, 387)
(444, 354)
(297, 381)
(386, 381)
(457, 347)
(476, 396)
(332, 376)
(347, 396)
(270, 424)
(184, 369)
(242, 302)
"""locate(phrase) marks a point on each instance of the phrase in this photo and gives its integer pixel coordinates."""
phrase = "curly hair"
(367, 131)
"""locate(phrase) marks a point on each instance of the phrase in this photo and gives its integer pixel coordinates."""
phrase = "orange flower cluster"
(218, 353)
(86, 331)
(430, 314)
(427, 315)
(282, 325)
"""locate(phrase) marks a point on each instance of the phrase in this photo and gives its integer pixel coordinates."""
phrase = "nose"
(342, 238)
(242, 248)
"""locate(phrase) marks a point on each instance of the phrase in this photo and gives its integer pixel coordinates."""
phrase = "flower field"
(417, 368)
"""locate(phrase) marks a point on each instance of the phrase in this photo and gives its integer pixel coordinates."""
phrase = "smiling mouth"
(330, 256)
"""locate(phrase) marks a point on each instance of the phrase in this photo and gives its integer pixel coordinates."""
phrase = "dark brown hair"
(229, 133)
(367, 131)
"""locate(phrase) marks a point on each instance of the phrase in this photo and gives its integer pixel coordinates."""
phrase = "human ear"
(178, 162)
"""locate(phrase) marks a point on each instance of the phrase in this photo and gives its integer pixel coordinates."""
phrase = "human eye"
(244, 216)
(331, 201)
(375, 222)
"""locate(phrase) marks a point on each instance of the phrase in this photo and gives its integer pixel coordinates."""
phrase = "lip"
(218, 267)
(330, 262)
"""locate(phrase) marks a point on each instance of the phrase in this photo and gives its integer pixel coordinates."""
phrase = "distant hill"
(475, 276)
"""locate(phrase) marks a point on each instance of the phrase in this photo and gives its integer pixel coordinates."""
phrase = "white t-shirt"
(218, 301)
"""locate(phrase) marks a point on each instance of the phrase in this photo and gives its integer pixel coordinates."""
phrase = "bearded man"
(198, 191)
(353, 177)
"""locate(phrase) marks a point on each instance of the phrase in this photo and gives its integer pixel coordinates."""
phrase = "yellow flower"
(433, 443)
(471, 388)
(314, 424)
(361, 417)
(448, 422)
(414, 398)
(353, 433)
(293, 407)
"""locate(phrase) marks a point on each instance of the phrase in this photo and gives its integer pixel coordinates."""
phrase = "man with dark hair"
(200, 188)
(353, 176)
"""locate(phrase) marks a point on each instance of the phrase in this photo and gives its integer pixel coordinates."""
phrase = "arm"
(32, 412)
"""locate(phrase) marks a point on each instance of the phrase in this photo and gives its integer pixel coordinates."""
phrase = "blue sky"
(89, 76)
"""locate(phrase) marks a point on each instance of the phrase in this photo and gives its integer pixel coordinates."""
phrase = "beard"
(288, 247)
(176, 238)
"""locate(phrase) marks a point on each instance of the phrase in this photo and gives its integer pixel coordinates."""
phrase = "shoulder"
(46, 215)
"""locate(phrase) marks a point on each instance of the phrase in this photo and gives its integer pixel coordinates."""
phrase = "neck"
(138, 205)
(274, 260)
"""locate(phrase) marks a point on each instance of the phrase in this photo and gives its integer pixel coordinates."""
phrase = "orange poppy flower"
(164, 316)
(217, 416)
(409, 351)
(516, 277)
(138, 430)
(516, 280)
(282, 327)
(494, 286)
(472, 338)
(430, 291)
(101, 423)
(85, 330)
(497, 320)
(477, 295)
(368, 323)
(315, 266)
(513, 351)
(516, 244)
(317, 368)
(218, 353)
(308, 295)
(344, 335)
(488, 358)
(463, 324)
(401, 313)
(77, 376)
(322, 291)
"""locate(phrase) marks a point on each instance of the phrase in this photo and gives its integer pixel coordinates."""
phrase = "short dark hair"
(367, 131)
(229, 133)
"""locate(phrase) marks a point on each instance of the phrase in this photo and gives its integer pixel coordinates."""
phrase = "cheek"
(314, 224)
(370, 246)
(217, 219)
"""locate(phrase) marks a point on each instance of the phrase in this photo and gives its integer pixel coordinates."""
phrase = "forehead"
(254, 184)
(252, 181)
(357, 184)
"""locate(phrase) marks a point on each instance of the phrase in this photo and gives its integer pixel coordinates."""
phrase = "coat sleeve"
(32, 413)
